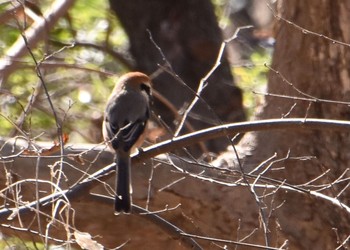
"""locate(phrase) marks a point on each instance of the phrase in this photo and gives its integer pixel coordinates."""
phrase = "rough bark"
(196, 207)
(317, 66)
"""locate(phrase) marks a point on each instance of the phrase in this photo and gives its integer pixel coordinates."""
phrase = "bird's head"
(136, 81)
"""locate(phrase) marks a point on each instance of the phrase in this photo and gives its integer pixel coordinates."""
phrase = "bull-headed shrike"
(124, 126)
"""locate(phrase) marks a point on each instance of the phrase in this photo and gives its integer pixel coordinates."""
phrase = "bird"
(124, 129)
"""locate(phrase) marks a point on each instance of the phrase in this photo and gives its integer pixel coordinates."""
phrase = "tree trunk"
(308, 63)
(188, 34)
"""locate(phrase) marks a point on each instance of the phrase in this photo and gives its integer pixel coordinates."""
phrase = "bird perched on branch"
(124, 126)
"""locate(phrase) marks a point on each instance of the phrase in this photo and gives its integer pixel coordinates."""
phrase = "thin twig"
(297, 98)
(204, 80)
(230, 242)
(304, 30)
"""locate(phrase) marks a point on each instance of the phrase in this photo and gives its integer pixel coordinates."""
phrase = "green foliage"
(78, 78)
(253, 77)
(11, 33)
(221, 8)
(18, 244)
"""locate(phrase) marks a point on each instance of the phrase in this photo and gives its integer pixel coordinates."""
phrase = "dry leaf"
(49, 151)
(85, 241)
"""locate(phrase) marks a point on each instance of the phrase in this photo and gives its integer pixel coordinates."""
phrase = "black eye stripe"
(146, 88)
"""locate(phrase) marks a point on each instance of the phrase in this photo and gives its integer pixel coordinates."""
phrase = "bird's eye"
(146, 88)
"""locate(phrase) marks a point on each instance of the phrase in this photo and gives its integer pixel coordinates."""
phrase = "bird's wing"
(131, 133)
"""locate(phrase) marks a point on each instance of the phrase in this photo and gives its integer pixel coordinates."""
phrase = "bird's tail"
(123, 186)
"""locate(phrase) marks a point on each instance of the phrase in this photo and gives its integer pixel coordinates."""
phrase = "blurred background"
(82, 54)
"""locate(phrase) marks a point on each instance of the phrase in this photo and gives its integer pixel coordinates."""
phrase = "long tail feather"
(123, 187)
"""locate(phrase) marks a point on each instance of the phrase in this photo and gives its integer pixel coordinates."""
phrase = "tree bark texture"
(197, 207)
(188, 34)
(308, 64)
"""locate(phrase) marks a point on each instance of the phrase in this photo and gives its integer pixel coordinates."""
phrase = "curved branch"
(240, 127)
(82, 188)
(85, 185)
(104, 48)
